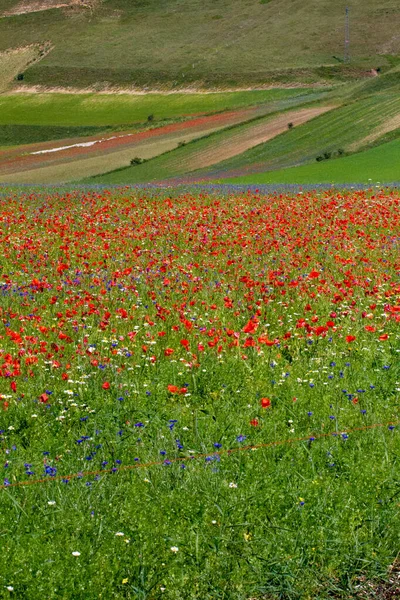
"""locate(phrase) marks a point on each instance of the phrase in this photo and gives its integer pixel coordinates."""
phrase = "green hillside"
(213, 42)
(334, 132)
(376, 165)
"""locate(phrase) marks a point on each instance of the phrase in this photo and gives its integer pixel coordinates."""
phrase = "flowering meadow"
(199, 393)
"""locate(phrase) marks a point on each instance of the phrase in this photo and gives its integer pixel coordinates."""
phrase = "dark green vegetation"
(214, 42)
(15, 135)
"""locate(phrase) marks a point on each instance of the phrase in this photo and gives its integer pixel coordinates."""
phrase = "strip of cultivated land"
(205, 152)
(74, 110)
(336, 131)
(54, 162)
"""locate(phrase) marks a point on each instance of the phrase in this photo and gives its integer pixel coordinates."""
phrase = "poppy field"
(199, 393)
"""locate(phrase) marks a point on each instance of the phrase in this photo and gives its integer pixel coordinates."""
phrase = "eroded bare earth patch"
(29, 6)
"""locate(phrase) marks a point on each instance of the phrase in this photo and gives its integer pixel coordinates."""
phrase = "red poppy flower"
(106, 385)
(173, 389)
(350, 338)
(265, 402)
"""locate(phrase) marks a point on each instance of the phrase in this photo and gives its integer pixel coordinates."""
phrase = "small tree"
(290, 125)
(150, 118)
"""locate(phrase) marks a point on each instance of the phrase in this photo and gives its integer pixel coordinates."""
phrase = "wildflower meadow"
(200, 393)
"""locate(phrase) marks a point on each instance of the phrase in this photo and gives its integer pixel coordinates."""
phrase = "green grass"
(73, 110)
(376, 165)
(217, 42)
(15, 135)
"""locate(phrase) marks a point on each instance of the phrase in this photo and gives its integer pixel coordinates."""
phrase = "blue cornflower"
(163, 452)
(51, 471)
(391, 427)
(167, 462)
(140, 424)
(240, 438)
(309, 414)
(179, 445)
(345, 436)
(332, 364)
(217, 445)
(363, 411)
(312, 385)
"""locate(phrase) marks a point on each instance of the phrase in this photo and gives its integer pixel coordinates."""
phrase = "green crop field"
(73, 110)
(376, 165)
(215, 42)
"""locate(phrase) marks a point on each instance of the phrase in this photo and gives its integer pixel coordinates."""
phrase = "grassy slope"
(380, 164)
(217, 41)
(329, 132)
(335, 130)
(177, 162)
(14, 62)
(73, 110)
